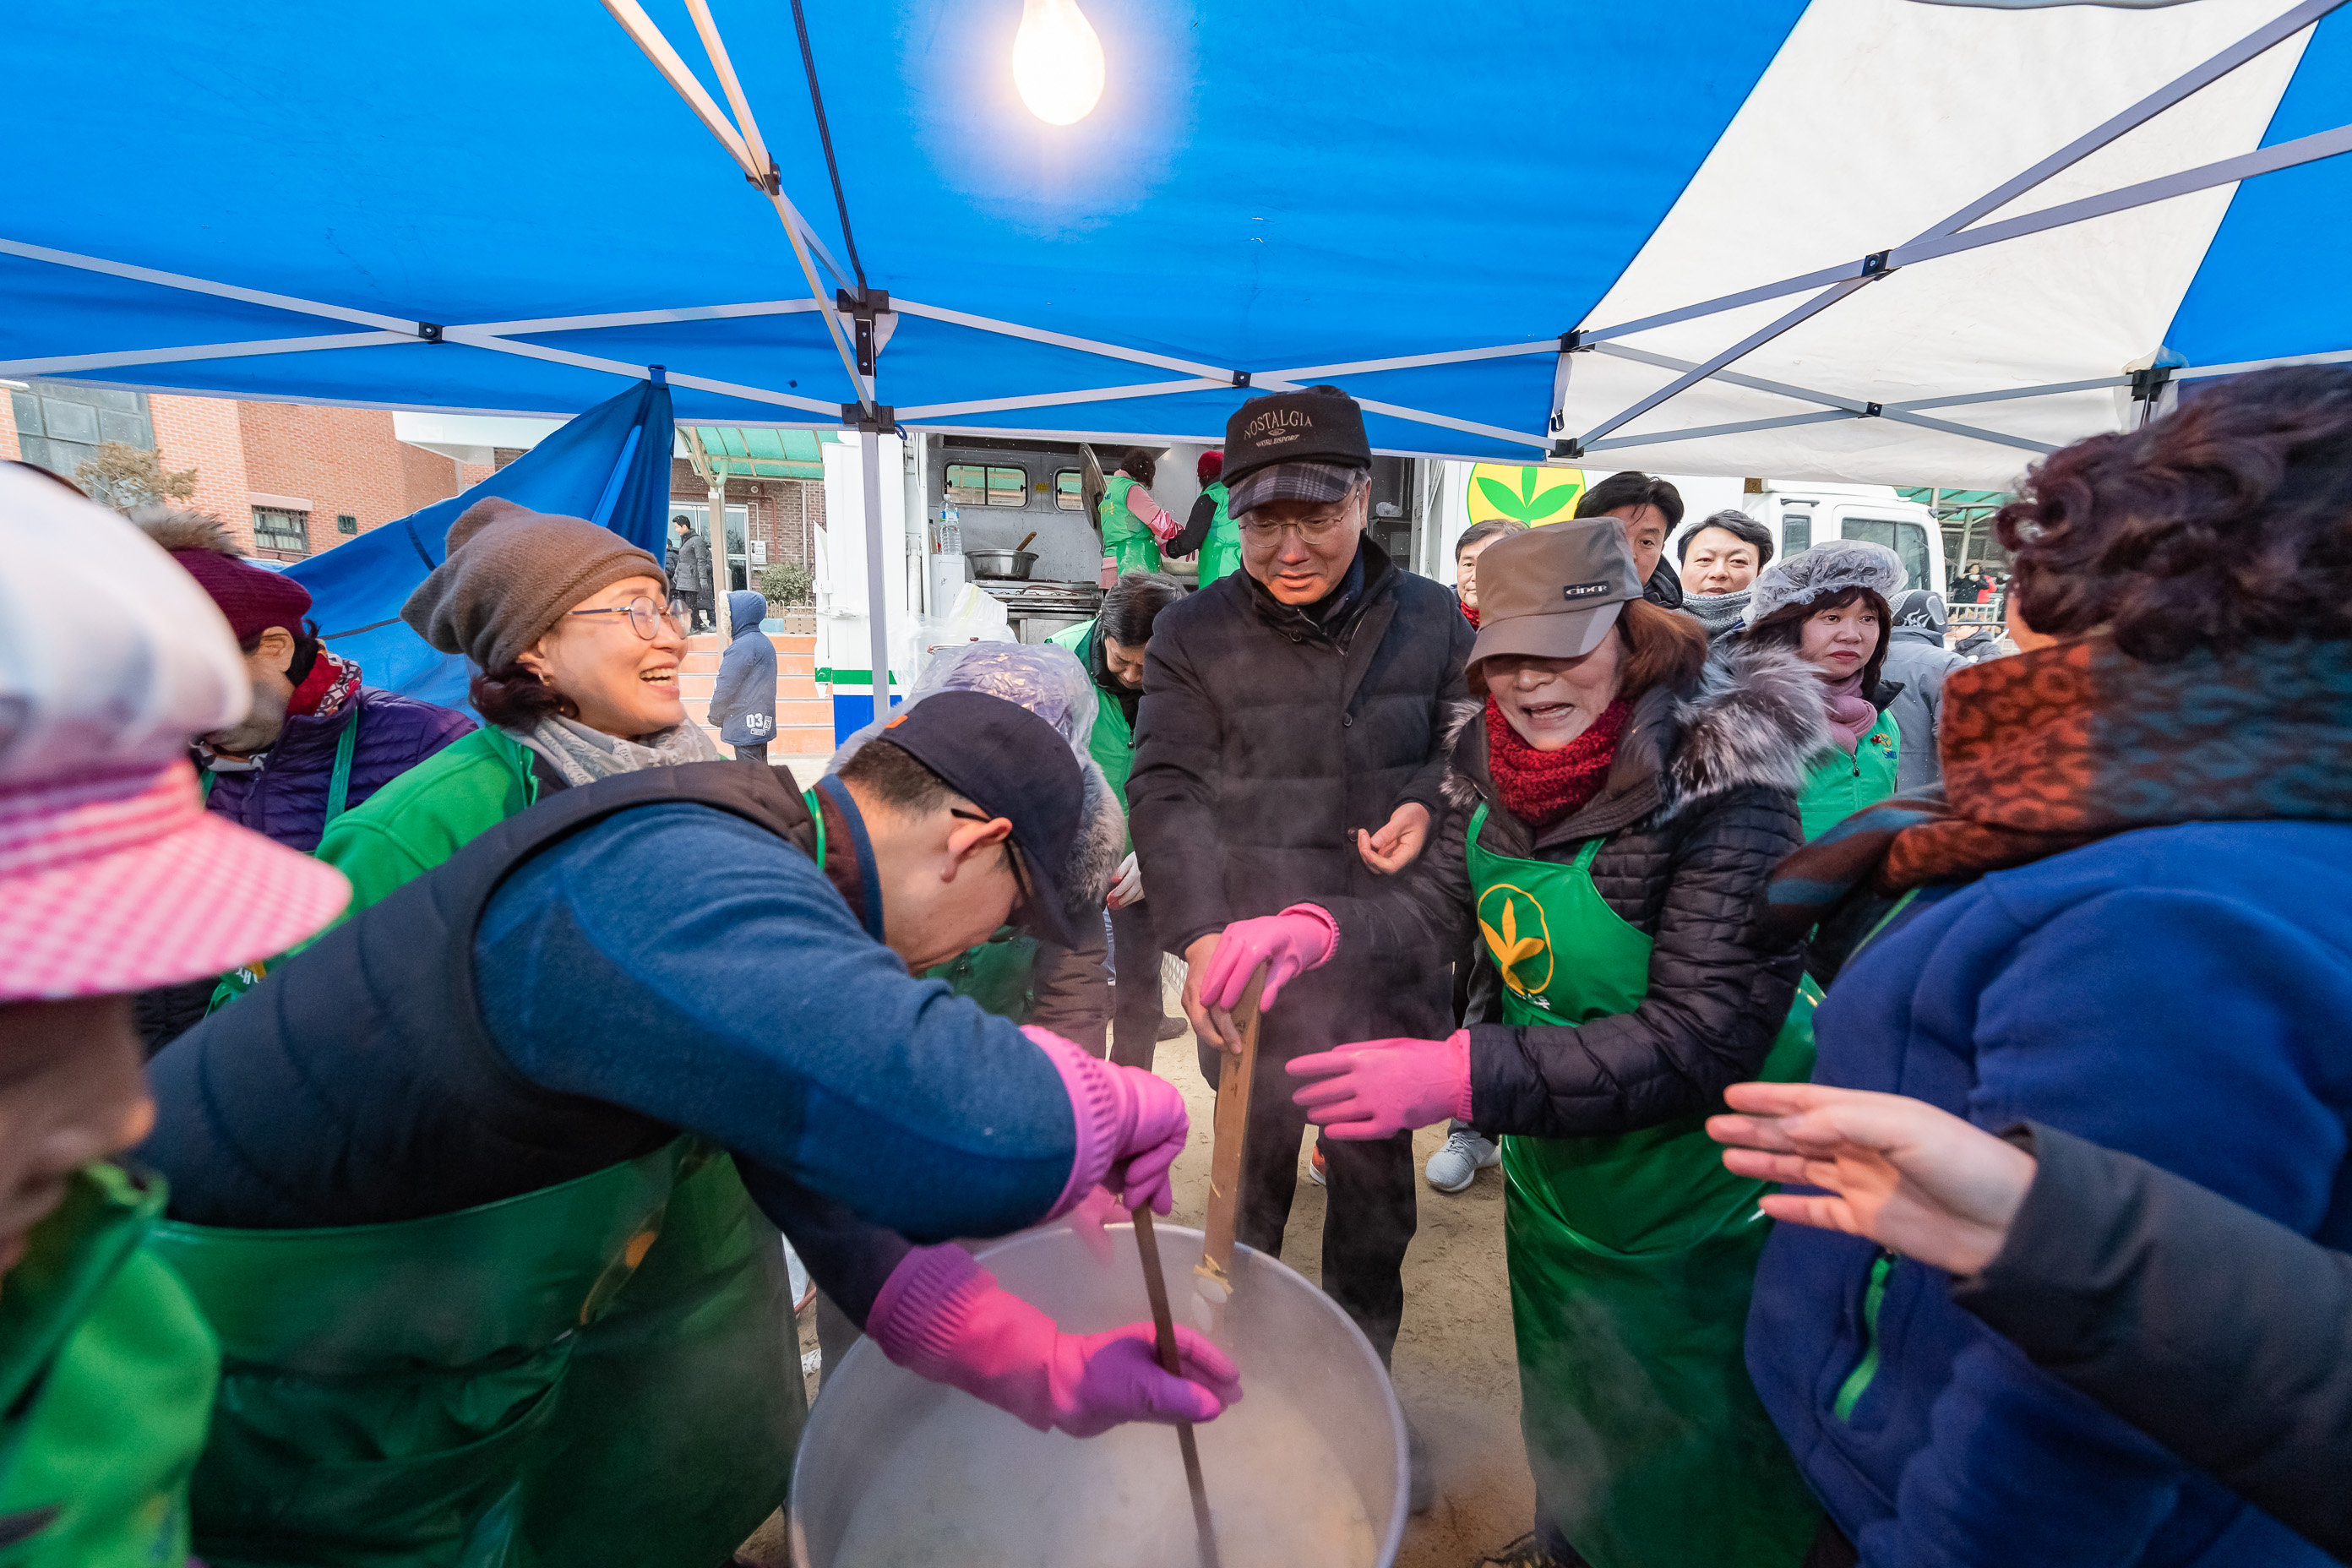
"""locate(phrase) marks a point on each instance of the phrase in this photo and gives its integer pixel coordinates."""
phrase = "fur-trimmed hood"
(1753, 718)
(180, 528)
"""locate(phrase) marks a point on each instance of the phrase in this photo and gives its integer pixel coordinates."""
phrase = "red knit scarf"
(1469, 611)
(1541, 788)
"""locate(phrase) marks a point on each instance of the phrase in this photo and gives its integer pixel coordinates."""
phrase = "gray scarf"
(581, 755)
(1719, 613)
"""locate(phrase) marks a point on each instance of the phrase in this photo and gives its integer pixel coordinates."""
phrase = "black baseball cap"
(1010, 763)
(1295, 446)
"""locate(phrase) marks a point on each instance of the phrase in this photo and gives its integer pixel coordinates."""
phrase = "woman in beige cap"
(576, 653)
(1618, 806)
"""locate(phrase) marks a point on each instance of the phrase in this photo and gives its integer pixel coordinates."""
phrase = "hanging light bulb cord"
(824, 134)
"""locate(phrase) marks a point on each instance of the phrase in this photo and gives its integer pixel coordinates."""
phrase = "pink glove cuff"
(1097, 1105)
(919, 1313)
(1321, 917)
(1459, 1041)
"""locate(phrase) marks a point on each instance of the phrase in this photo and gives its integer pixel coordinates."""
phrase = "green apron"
(999, 974)
(1837, 785)
(107, 1375)
(1632, 1257)
(1125, 539)
(245, 978)
(1220, 552)
(604, 1371)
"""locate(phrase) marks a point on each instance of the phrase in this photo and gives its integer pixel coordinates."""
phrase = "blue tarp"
(611, 466)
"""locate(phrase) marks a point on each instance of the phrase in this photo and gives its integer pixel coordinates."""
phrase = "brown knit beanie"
(511, 575)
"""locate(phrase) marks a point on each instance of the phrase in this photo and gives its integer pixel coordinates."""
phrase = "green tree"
(1526, 504)
(124, 477)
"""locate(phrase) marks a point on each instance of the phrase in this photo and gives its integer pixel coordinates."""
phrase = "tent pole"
(870, 455)
(721, 575)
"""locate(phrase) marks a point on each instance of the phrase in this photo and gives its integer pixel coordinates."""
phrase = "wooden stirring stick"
(1213, 1279)
(1163, 1323)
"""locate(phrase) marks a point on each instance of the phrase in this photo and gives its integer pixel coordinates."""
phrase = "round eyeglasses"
(645, 617)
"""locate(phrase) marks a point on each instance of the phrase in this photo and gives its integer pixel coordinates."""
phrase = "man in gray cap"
(1290, 746)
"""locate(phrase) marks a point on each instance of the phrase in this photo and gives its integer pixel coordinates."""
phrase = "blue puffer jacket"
(286, 797)
(744, 704)
(2176, 993)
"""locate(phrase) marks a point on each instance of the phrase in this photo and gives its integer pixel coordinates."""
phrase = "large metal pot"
(896, 1470)
(1012, 564)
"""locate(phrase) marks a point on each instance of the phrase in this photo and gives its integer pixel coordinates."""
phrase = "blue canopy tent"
(611, 466)
(1861, 239)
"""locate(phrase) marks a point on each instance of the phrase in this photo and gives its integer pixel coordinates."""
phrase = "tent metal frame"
(738, 135)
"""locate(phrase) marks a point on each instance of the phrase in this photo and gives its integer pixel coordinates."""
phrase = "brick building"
(288, 479)
(292, 480)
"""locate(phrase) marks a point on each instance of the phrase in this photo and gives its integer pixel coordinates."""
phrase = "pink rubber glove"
(942, 1316)
(1300, 938)
(1132, 1127)
(1378, 1089)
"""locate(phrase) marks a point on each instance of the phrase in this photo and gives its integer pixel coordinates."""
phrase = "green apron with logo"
(604, 1371)
(1632, 1257)
(107, 1375)
(1220, 552)
(1125, 539)
(1837, 785)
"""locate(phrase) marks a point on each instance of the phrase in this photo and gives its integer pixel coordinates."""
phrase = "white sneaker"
(1456, 1166)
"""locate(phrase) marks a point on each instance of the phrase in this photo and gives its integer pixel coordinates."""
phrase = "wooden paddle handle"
(1163, 1327)
(1235, 1073)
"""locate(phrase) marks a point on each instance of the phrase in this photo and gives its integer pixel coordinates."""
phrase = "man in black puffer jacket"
(1291, 740)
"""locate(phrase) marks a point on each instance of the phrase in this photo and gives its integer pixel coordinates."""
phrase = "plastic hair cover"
(1825, 570)
(1050, 683)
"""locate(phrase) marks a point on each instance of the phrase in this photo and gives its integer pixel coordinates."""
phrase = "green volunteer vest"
(999, 974)
(1111, 742)
(1220, 552)
(1632, 1257)
(1125, 540)
(1837, 785)
(107, 1375)
(601, 1371)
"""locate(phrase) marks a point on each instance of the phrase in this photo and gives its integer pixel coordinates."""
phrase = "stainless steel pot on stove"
(1295, 1348)
(1012, 564)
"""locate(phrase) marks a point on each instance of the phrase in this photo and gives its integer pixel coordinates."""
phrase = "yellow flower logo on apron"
(1498, 917)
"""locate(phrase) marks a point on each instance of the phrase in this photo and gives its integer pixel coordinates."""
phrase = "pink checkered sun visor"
(120, 881)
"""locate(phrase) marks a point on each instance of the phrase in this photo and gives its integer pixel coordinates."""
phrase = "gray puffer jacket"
(1698, 807)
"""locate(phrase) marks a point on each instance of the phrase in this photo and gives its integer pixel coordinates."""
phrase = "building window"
(970, 484)
(276, 530)
(1069, 491)
(346, 523)
(61, 427)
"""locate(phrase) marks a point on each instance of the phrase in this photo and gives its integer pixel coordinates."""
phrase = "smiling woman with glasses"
(576, 646)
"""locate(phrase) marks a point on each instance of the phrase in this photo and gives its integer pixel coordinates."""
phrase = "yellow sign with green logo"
(1519, 936)
(1530, 495)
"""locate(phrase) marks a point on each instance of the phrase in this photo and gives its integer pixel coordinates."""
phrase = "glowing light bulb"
(1058, 61)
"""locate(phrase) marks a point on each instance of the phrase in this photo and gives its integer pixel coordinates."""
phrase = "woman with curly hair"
(2123, 918)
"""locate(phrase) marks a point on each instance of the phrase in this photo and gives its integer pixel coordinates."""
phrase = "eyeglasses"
(645, 617)
(1012, 859)
(1312, 529)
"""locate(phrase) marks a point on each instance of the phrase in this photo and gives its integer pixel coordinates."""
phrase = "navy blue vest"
(357, 1084)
